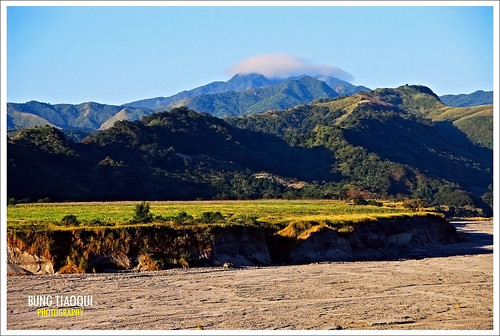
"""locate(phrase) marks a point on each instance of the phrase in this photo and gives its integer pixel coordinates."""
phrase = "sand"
(451, 291)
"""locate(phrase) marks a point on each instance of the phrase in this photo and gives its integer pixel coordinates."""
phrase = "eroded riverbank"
(450, 292)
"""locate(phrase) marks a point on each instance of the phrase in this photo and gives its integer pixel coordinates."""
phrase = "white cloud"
(286, 65)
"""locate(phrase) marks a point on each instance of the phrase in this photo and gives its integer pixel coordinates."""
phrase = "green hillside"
(392, 140)
(475, 121)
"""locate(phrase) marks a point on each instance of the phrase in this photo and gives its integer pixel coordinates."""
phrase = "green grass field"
(274, 212)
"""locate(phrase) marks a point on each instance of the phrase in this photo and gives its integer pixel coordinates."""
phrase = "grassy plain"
(276, 212)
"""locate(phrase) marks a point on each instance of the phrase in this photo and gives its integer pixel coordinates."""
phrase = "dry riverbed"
(453, 290)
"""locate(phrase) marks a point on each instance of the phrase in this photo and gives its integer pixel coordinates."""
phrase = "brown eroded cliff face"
(240, 247)
(384, 239)
(162, 247)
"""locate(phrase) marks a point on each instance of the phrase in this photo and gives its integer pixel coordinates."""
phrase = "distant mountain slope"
(238, 83)
(16, 120)
(67, 116)
(476, 98)
(340, 86)
(125, 113)
(302, 90)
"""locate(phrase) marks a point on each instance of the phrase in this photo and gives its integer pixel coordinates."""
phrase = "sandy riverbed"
(453, 290)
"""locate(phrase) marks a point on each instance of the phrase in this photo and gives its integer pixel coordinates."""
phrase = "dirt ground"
(451, 290)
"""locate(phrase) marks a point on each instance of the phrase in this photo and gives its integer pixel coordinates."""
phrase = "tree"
(142, 213)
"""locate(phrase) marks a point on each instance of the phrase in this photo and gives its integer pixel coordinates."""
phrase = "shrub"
(13, 201)
(142, 213)
(245, 219)
(183, 218)
(211, 217)
(373, 202)
(359, 200)
(69, 220)
(95, 222)
(414, 204)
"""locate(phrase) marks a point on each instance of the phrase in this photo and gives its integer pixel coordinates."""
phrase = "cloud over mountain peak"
(286, 65)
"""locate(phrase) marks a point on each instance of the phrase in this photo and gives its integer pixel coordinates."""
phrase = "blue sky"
(117, 55)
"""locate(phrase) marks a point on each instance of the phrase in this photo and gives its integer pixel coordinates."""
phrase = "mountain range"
(401, 143)
(90, 116)
(476, 98)
(242, 94)
(243, 82)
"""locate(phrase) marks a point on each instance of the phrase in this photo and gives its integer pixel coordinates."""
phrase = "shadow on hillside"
(440, 149)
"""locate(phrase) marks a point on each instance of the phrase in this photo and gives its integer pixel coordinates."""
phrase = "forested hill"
(410, 102)
(393, 140)
(173, 155)
(399, 142)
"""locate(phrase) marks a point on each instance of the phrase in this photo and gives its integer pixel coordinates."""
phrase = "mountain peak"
(247, 76)
(241, 82)
(419, 88)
